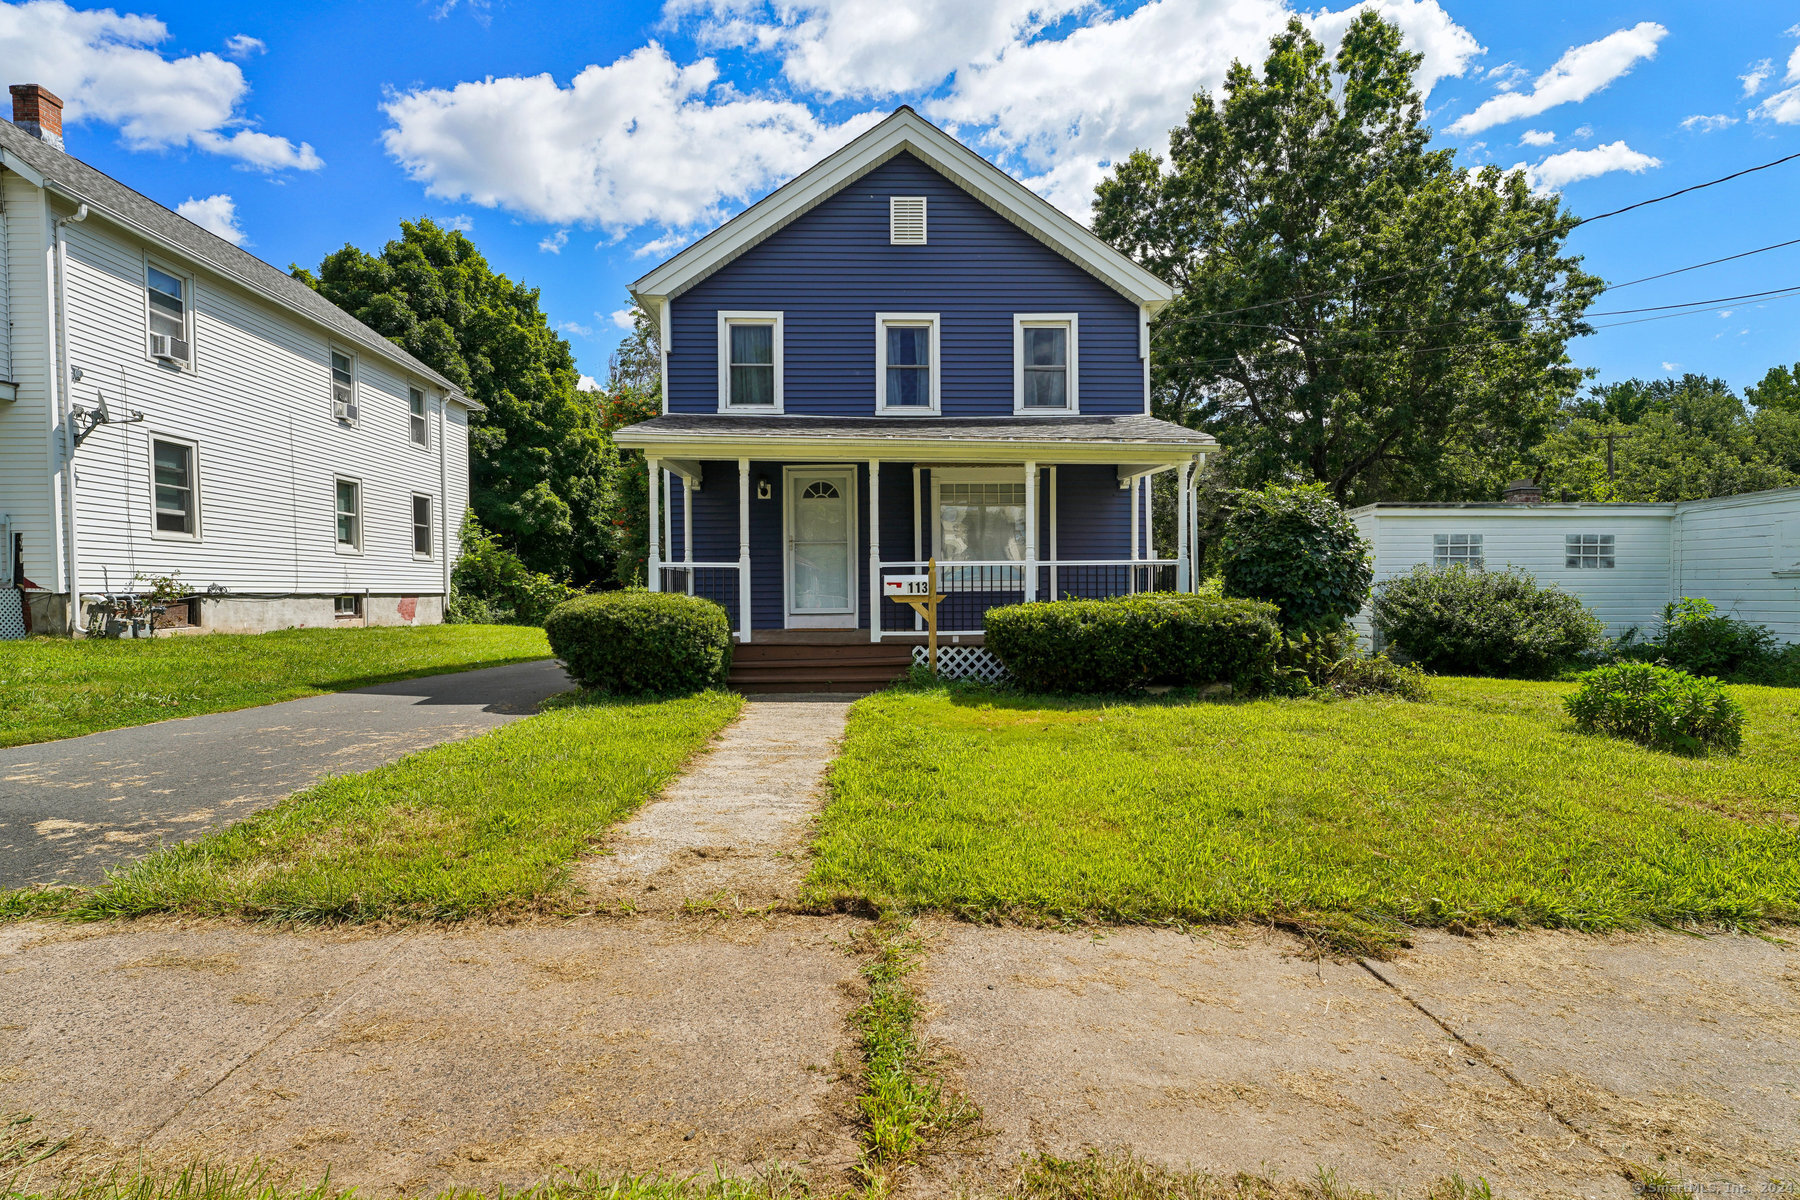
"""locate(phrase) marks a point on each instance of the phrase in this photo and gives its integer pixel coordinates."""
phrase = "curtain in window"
(1046, 367)
(983, 522)
(909, 366)
(752, 364)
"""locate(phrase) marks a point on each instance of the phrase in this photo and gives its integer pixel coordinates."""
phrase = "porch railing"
(971, 588)
(717, 582)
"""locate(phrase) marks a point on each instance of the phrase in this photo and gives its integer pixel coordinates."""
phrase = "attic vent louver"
(906, 220)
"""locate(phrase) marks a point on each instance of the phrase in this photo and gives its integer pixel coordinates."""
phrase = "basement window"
(346, 607)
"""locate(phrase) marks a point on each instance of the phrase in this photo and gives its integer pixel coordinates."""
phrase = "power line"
(1613, 287)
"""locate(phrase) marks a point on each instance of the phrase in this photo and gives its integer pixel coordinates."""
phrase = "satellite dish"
(104, 413)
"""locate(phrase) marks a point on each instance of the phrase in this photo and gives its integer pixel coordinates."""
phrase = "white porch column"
(668, 511)
(917, 530)
(653, 562)
(687, 531)
(1184, 572)
(1055, 553)
(1031, 531)
(1131, 572)
(744, 550)
(874, 550)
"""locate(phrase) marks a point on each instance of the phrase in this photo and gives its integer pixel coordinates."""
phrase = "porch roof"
(1059, 438)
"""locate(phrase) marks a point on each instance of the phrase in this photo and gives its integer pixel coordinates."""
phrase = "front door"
(821, 539)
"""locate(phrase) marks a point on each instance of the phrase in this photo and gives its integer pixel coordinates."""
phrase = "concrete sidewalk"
(71, 809)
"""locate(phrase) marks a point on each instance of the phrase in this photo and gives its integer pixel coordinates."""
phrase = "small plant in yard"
(1458, 621)
(490, 585)
(1658, 706)
(1297, 549)
(635, 642)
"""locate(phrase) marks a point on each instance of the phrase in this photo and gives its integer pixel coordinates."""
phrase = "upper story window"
(169, 295)
(1449, 549)
(349, 515)
(415, 415)
(1588, 550)
(750, 361)
(906, 362)
(906, 220)
(1045, 367)
(343, 386)
(174, 491)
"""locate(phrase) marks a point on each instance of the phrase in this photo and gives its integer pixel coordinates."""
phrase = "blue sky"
(580, 143)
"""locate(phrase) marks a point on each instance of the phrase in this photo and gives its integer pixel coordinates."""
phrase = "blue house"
(903, 354)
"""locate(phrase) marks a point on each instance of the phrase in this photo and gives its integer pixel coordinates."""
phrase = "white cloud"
(1671, 367)
(587, 383)
(624, 318)
(215, 214)
(1536, 137)
(1582, 133)
(642, 141)
(1447, 48)
(106, 67)
(1783, 107)
(461, 222)
(1571, 166)
(1578, 74)
(1708, 124)
(1757, 75)
(1507, 76)
(577, 328)
(241, 46)
(554, 243)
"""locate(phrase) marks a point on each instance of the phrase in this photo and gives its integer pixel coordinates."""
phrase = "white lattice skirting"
(12, 614)
(963, 662)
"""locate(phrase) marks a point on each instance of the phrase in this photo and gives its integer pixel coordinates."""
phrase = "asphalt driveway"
(70, 810)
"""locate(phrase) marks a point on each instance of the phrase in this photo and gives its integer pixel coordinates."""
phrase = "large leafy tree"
(541, 465)
(633, 393)
(1355, 309)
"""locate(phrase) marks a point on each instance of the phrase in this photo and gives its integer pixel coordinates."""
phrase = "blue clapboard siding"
(832, 270)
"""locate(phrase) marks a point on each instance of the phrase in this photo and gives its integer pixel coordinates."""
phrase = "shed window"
(172, 464)
(168, 303)
(1583, 550)
(1449, 549)
(421, 524)
(349, 514)
(415, 411)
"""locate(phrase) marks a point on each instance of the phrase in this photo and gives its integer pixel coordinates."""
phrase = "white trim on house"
(1071, 322)
(884, 320)
(359, 515)
(728, 318)
(429, 526)
(906, 224)
(845, 477)
(195, 532)
(905, 131)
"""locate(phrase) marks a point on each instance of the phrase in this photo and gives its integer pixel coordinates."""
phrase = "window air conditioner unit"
(169, 349)
(343, 410)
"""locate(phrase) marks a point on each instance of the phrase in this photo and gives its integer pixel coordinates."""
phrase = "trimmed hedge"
(1657, 706)
(1456, 621)
(636, 642)
(1125, 643)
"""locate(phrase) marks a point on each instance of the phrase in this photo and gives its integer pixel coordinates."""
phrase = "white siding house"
(1625, 560)
(295, 467)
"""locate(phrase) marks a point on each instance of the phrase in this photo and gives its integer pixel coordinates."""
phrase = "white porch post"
(1184, 572)
(653, 562)
(668, 511)
(1055, 553)
(874, 550)
(744, 550)
(1193, 499)
(1031, 531)
(917, 530)
(1131, 572)
(687, 531)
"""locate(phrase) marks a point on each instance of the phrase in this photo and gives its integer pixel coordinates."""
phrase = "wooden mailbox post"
(921, 592)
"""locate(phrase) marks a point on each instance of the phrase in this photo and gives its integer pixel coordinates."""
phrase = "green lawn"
(58, 687)
(483, 826)
(1482, 806)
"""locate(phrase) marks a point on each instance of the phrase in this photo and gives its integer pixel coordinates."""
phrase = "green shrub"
(1779, 669)
(1657, 706)
(490, 585)
(1125, 643)
(1502, 623)
(1695, 637)
(1327, 664)
(1298, 549)
(635, 642)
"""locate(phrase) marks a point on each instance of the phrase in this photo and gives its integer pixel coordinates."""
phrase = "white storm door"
(821, 539)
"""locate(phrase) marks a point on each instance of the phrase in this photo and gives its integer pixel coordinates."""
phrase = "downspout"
(59, 406)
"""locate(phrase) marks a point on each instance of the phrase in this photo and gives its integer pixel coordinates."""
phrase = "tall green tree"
(633, 393)
(1778, 391)
(540, 464)
(1355, 309)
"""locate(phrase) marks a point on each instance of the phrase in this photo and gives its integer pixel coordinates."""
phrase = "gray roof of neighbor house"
(1134, 429)
(69, 176)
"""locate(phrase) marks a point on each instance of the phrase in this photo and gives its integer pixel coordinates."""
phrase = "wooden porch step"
(880, 673)
(860, 667)
(776, 689)
(866, 653)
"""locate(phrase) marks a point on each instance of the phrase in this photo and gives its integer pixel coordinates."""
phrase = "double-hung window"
(349, 515)
(1046, 371)
(1585, 550)
(343, 386)
(980, 519)
(168, 296)
(750, 361)
(421, 526)
(906, 362)
(174, 494)
(1454, 549)
(415, 415)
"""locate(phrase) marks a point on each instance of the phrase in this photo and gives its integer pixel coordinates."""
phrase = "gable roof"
(68, 176)
(903, 131)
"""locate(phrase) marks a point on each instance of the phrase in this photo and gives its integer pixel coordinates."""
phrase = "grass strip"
(484, 826)
(1356, 819)
(902, 1105)
(58, 687)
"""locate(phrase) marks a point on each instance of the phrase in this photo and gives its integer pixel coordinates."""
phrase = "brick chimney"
(1523, 491)
(38, 111)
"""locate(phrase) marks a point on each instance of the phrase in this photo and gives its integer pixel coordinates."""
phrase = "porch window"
(1045, 371)
(982, 521)
(750, 355)
(906, 357)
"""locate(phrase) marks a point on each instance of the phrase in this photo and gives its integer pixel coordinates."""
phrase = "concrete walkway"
(69, 810)
(733, 830)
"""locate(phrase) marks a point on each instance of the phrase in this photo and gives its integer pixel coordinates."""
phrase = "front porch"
(792, 523)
